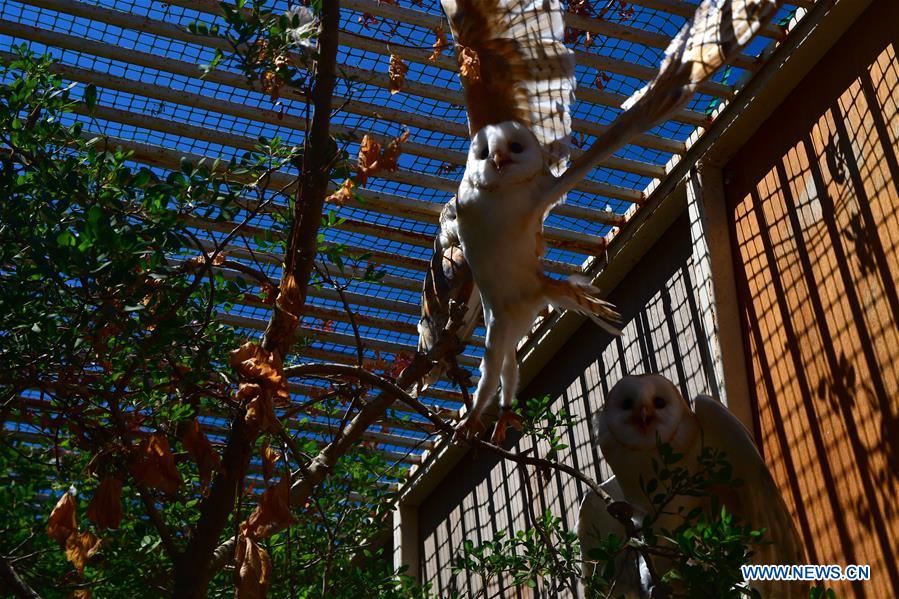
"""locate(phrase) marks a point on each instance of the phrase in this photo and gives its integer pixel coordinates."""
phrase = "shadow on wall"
(815, 206)
(662, 334)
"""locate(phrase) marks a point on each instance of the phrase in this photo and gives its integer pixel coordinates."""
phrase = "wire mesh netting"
(152, 91)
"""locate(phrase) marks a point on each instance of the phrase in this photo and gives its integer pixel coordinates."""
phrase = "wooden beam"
(101, 49)
(395, 205)
(593, 25)
(172, 31)
(340, 339)
(446, 62)
(432, 392)
(406, 177)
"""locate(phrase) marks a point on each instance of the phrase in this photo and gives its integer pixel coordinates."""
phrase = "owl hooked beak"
(500, 159)
(644, 417)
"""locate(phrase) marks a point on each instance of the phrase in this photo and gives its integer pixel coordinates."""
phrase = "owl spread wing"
(448, 279)
(515, 67)
(718, 30)
(759, 501)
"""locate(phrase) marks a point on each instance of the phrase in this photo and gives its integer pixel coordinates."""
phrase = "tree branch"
(443, 426)
(168, 541)
(192, 571)
(323, 464)
(12, 582)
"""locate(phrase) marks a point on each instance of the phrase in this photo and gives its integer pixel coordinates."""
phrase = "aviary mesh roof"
(152, 99)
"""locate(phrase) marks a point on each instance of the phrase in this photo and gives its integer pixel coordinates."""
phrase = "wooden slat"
(377, 256)
(432, 392)
(354, 299)
(172, 31)
(406, 177)
(293, 424)
(392, 234)
(395, 205)
(340, 339)
(449, 186)
(104, 50)
(371, 434)
(335, 314)
(593, 25)
(444, 61)
(326, 355)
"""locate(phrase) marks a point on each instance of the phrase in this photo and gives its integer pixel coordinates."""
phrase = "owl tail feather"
(576, 293)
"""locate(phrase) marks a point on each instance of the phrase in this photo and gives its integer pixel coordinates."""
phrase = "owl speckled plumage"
(448, 280)
(519, 85)
(643, 409)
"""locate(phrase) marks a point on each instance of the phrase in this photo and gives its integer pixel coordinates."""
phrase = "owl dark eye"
(659, 403)
(483, 154)
(516, 148)
(627, 404)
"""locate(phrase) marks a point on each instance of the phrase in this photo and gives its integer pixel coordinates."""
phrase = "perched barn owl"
(519, 85)
(642, 409)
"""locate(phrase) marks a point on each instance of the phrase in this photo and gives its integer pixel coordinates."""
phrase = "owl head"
(503, 153)
(640, 407)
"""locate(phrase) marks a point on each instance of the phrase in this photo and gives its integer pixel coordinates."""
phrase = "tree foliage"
(112, 352)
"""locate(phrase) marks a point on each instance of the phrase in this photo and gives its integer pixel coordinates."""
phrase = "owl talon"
(468, 428)
(507, 418)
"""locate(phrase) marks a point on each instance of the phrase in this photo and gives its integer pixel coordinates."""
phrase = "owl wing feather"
(594, 524)
(718, 30)
(448, 279)
(523, 72)
(759, 501)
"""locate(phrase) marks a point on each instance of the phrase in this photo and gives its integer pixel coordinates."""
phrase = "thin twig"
(15, 583)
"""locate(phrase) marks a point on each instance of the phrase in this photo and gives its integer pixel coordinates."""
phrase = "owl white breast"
(499, 228)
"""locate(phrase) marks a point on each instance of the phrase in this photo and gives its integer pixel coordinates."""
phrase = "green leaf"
(65, 239)
(90, 97)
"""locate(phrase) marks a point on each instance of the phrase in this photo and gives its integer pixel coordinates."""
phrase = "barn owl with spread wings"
(519, 85)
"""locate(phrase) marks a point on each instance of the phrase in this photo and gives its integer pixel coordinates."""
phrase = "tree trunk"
(192, 570)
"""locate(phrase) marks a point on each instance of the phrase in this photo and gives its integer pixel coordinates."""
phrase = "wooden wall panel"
(815, 205)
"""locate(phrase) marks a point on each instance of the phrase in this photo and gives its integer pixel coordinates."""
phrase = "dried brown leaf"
(268, 293)
(272, 513)
(261, 414)
(397, 73)
(155, 465)
(391, 154)
(62, 522)
(344, 194)
(469, 64)
(252, 570)
(248, 391)
(269, 457)
(80, 547)
(200, 449)
(369, 155)
(373, 158)
(257, 365)
(271, 84)
(105, 509)
(440, 42)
